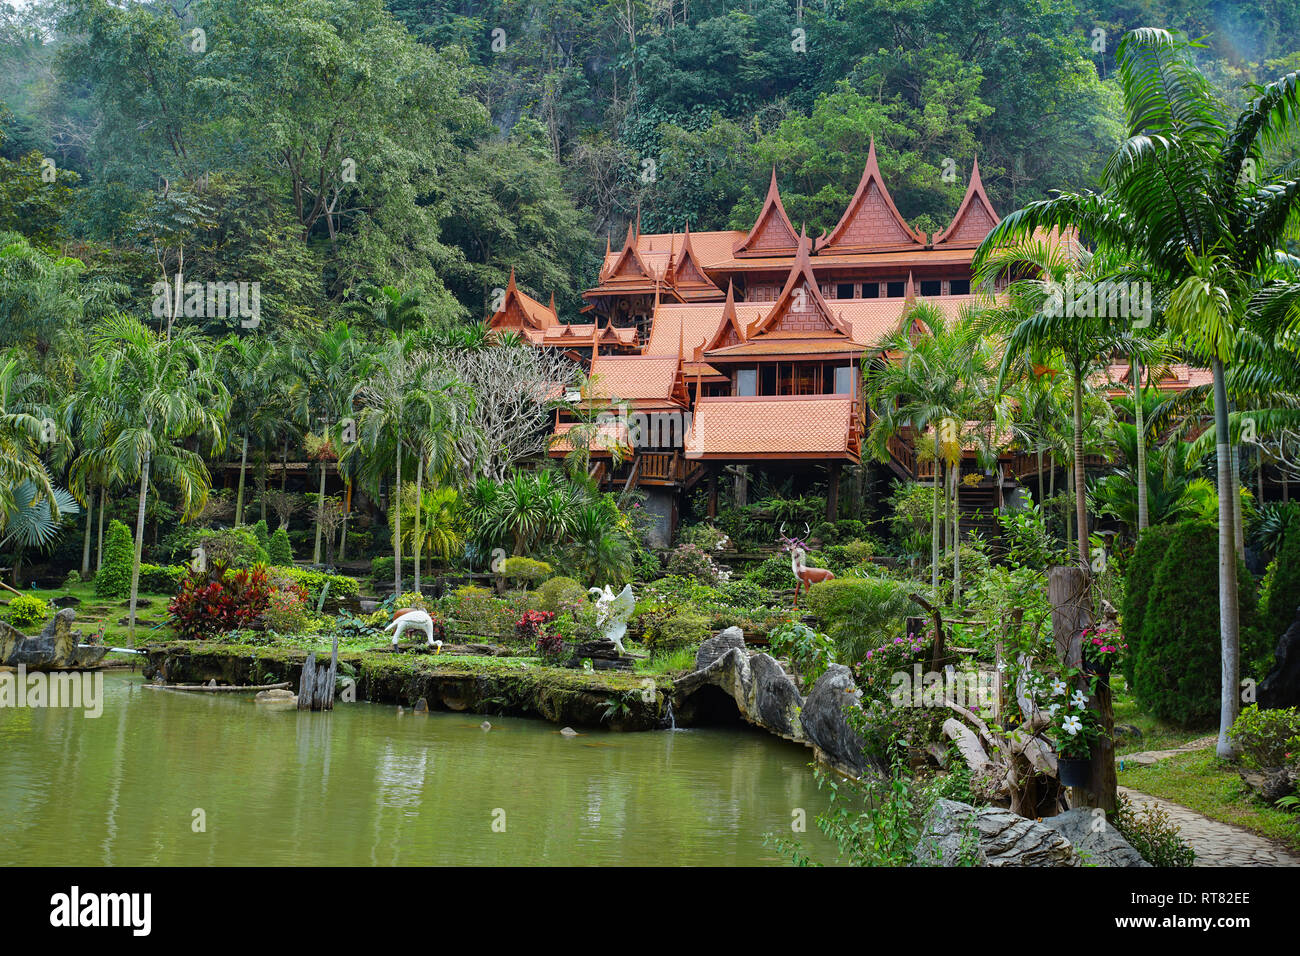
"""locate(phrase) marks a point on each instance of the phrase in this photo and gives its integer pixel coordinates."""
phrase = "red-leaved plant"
(218, 600)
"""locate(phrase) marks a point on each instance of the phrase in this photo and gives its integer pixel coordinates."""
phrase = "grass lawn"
(1202, 782)
(1156, 734)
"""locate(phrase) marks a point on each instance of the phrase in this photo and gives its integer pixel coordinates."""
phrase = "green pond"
(367, 786)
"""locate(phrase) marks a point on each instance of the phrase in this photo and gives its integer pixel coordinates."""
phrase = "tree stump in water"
(316, 689)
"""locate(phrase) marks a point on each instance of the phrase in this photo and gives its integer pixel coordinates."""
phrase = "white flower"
(1079, 699)
(1051, 711)
(1072, 725)
(1058, 688)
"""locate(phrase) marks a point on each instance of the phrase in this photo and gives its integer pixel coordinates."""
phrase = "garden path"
(1215, 843)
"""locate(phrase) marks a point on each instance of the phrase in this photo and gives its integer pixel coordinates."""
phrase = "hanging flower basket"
(1074, 771)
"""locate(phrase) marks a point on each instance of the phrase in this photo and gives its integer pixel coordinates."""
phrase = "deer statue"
(804, 576)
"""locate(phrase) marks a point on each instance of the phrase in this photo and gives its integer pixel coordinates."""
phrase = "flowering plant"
(1102, 645)
(1072, 726)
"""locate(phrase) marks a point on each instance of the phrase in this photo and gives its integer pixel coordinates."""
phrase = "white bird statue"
(612, 612)
(411, 618)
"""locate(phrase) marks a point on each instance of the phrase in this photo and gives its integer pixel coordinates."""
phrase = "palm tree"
(389, 307)
(931, 387)
(1183, 195)
(165, 393)
(321, 397)
(22, 434)
(87, 414)
(247, 365)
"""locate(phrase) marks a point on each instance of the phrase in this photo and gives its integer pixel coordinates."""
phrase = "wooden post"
(1070, 596)
(833, 492)
(316, 689)
(713, 491)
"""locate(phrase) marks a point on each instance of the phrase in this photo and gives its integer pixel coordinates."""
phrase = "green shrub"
(262, 535)
(808, 651)
(480, 613)
(279, 551)
(705, 536)
(525, 570)
(680, 630)
(1177, 673)
(114, 577)
(552, 595)
(232, 547)
(161, 579)
(26, 610)
(341, 586)
(774, 574)
(860, 614)
(744, 593)
(689, 561)
(1267, 738)
(1152, 834)
(381, 569)
(1282, 596)
(1142, 568)
(72, 579)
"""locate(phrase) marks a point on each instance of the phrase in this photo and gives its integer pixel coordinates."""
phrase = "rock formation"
(56, 647)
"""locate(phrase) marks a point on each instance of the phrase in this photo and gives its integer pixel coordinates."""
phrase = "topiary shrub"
(744, 594)
(554, 594)
(232, 547)
(1282, 591)
(341, 586)
(279, 551)
(1142, 568)
(161, 579)
(680, 630)
(114, 577)
(525, 570)
(262, 535)
(26, 610)
(1177, 672)
(774, 574)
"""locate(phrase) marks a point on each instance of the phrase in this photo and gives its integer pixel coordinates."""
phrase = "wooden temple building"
(736, 350)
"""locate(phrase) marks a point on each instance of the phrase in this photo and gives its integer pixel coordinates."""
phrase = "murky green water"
(365, 786)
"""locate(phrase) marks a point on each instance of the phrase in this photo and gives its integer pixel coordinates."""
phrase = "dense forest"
(329, 144)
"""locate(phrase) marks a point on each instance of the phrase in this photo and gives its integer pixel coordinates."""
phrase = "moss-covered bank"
(482, 685)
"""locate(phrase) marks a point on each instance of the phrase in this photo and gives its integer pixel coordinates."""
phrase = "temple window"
(747, 381)
(931, 287)
(844, 291)
(959, 287)
(895, 290)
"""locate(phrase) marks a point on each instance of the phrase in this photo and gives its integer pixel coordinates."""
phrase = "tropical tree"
(23, 433)
(1185, 194)
(166, 395)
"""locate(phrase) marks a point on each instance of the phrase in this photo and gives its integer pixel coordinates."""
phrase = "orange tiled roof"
(608, 435)
(814, 427)
(974, 219)
(1178, 378)
(871, 222)
(636, 377)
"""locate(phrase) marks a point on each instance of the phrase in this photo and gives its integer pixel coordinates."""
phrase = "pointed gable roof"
(800, 310)
(871, 223)
(772, 235)
(523, 312)
(687, 277)
(975, 217)
(629, 263)
(730, 330)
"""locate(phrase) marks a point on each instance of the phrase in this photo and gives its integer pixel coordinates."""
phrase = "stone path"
(1215, 843)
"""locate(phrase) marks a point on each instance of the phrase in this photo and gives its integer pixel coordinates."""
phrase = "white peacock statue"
(612, 612)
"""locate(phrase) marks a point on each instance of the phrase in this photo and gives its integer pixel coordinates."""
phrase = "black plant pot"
(1074, 771)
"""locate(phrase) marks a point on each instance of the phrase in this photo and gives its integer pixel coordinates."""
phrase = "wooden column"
(1070, 596)
(833, 492)
(713, 491)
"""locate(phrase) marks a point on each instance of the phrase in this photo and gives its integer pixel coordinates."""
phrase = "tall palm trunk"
(1229, 620)
(90, 519)
(139, 538)
(99, 544)
(956, 535)
(261, 495)
(934, 524)
(1139, 421)
(320, 513)
(415, 537)
(397, 527)
(347, 510)
(239, 495)
(1080, 499)
(1238, 526)
(1040, 475)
